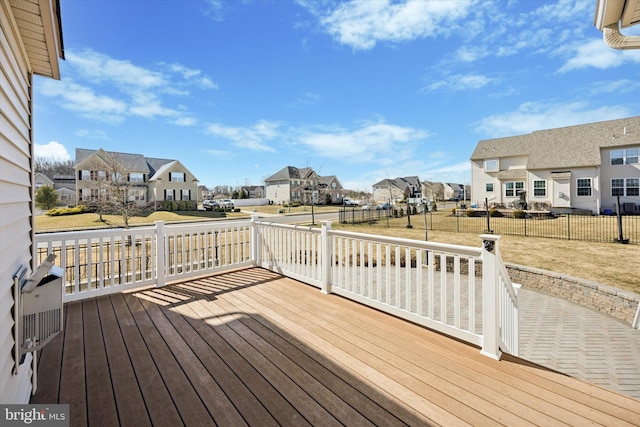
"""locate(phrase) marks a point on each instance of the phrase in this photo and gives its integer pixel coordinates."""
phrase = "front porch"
(250, 346)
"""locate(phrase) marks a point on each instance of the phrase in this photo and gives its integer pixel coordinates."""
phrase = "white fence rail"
(462, 291)
(99, 262)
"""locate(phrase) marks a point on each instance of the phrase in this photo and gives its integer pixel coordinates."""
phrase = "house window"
(540, 188)
(136, 177)
(491, 165)
(617, 187)
(633, 186)
(177, 176)
(185, 195)
(628, 156)
(513, 189)
(136, 195)
(168, 194)
(489, 187)
(625, 187)
(584, 187)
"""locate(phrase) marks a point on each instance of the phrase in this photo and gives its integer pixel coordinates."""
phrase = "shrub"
(67, 211)
(495, 213)
(434, 207)
(518, 213)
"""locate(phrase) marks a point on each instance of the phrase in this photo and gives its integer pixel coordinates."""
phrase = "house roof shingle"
(571, 146)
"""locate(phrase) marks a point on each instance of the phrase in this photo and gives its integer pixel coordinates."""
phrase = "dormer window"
(491, 165)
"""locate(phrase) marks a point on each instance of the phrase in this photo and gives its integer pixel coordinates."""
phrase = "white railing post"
(161, 254)
(325, 258)
(253, 240)
(490, 301)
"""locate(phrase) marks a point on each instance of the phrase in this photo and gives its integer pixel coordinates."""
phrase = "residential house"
(302, 185)
(148, 179)
(331, 190)
(254, 191)
(584, 167)
(64, 185)
(31, 40)
(397, 189)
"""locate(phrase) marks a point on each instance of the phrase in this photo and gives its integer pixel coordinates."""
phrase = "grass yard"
(88, 221)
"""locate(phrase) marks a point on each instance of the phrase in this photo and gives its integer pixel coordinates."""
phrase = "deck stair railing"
(461, 291)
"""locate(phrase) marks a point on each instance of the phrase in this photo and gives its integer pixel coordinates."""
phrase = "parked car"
(210, 205)
(383, 207)
(366, 207)
(349, 202)
(227, 204)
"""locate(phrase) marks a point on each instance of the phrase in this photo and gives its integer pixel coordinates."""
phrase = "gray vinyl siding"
(15, 201)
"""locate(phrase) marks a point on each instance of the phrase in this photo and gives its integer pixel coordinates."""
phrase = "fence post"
(161, 254)
(325, 258)
(253, 240)
(490, 300)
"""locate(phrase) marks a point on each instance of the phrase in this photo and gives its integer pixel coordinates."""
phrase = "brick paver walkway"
(579, 342)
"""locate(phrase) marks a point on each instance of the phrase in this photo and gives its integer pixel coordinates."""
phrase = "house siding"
(610, 172)
(15, 204)
(562, 157)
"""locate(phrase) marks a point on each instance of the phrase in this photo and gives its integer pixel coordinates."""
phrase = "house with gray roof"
(397, 189)
(583, 167)
(148, 179)
(303, 185)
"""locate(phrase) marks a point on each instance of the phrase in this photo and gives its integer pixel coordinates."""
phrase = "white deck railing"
(461, 291)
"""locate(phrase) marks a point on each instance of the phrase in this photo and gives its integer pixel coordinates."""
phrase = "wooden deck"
(250, 347)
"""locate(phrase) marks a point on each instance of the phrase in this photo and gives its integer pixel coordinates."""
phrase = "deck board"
(250, 347)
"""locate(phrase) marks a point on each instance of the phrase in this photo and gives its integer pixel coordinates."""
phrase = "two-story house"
(62, 184)
(303, 185)
(148, 180)
(253, 191)
(584, 167)
(398, 189)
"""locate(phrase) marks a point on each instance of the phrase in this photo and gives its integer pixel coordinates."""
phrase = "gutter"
(615, 39)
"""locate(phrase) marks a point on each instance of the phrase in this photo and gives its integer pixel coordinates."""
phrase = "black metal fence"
(599, 228)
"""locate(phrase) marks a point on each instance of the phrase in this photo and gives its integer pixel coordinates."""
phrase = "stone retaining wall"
(608, 300)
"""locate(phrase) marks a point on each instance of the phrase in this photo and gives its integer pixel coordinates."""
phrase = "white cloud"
(362, 23)
(461, 82)
(91, 134)
(215, 9)
(533, 116)
(597, 54)
(52, 150)
(615, 86)
(369, 142)
(97, 67)
(254, 138)
(105, 89)
(84, 101)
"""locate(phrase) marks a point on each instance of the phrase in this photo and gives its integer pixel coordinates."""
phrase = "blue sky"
(364, 90)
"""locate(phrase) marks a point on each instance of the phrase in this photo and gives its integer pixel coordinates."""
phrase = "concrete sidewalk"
(579, 342)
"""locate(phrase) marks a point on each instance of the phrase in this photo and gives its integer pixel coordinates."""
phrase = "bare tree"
(53, 167)
(112, 191)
